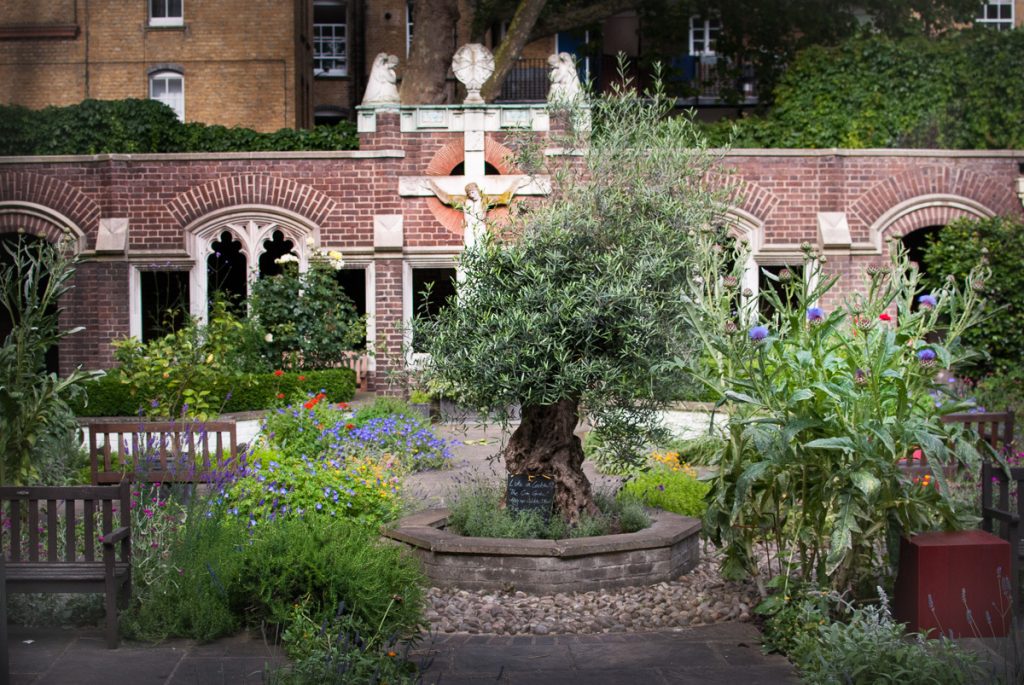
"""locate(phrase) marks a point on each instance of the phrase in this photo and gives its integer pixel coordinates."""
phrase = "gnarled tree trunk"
(423, 79)
(544, 443)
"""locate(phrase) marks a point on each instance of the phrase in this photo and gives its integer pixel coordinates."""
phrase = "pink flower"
(148, 513)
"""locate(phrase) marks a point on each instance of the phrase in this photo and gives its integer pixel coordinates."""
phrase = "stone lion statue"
(382, 88)
(565, 81)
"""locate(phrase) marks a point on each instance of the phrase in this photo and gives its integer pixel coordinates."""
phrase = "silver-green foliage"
(34, 416)
(579, 297)
(823, 401)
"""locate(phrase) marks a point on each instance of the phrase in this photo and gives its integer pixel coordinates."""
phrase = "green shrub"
(961, 246)
(875, 91)
(307, 318)
(388, 407)
(322, 562)
(869, 647)
(236, 392)
(141, 126)
(477, 511)
(675, 491)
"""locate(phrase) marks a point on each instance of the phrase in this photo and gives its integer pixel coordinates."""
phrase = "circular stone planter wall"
(660, 553)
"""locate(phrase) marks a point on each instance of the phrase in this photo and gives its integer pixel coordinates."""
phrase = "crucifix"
(474, 192)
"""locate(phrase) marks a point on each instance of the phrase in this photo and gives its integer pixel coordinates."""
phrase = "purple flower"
(758, 333)
(927, 301)
(815, 314)
(926, 355)
(154, 403)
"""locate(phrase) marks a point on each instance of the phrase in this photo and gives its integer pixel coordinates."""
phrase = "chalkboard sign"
(531, 493)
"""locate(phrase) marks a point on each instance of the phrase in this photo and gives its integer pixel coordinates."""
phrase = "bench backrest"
(995, 428)
(161, 451)
(42, 523)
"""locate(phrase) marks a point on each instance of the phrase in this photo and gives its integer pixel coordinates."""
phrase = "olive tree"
(567, 309)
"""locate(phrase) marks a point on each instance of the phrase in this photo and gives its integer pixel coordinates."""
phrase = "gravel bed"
(697, 598)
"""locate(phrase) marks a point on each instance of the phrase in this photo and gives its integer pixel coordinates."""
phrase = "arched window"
(232, 249)
(169, 88)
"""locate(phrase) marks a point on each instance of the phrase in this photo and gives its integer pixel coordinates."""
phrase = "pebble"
(699, 597)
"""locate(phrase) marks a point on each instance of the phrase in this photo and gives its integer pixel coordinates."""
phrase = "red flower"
(279, 373)
(280, 395)
(884, 317)
(349, 426)
(313, 402)
(302, 378)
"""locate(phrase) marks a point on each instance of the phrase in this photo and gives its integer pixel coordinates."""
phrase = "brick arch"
(752, 200)
(962, 191)
(251, 189)
(52, 199)
(441, 164)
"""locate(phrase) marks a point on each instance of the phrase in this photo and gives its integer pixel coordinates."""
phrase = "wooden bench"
(161, 451)
(360, 363)
(52, 538)
(1001, 516)
(994, 428)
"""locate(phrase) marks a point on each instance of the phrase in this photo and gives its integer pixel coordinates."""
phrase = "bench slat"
(70, 531)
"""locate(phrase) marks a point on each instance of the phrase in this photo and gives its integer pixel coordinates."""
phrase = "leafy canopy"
(579, 296)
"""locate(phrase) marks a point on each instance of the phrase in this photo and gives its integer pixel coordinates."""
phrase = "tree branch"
(575, 17)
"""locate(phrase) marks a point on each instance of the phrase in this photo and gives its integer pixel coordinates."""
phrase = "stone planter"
(666, 550)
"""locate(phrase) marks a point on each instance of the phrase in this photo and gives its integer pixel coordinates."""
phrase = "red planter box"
(946, 568)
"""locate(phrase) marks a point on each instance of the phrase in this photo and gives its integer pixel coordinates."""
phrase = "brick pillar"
(388, 379)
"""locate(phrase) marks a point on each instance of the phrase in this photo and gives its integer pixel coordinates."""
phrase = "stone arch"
(450, 156)
(746, 199)
(251, 225)
(746, 226)
(49, 207)
(922, 211)
(229, 192)
(46, 223)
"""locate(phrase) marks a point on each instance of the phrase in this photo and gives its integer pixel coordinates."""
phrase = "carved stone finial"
(565, 81)
(473, 64)
(382, 88)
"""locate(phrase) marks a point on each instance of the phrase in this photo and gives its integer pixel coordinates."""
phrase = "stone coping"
(425, 530)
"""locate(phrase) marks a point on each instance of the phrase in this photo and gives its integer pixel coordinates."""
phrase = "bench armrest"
(115, 535)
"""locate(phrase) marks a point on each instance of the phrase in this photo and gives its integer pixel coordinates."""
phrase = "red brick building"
(137, 219)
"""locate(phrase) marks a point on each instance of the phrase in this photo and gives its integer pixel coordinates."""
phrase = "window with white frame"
(166, 13)
(997, 14)
(703, 35)
(330, 38)
(169, 88)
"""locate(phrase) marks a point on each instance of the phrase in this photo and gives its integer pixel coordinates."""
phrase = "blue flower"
(926, 355)
(758, 333)
(815, 314)
(927, 301)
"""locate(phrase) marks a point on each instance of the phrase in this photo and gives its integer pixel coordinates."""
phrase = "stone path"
(727, 653)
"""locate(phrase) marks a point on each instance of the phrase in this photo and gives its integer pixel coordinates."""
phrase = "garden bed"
(666, 550)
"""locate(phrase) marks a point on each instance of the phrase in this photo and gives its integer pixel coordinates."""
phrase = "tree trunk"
(516, 37)
(544, 443)
(433, 45)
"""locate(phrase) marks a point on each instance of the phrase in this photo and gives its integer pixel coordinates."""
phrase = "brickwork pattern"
(161, 195)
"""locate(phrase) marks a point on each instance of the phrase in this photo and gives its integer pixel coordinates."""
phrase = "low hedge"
(139, 126)
(108, 396)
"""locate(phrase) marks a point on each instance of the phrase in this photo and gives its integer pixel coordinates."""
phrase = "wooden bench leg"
(110, 600)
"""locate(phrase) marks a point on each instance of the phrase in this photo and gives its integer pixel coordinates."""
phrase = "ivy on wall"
(963, 90)
(138, 126)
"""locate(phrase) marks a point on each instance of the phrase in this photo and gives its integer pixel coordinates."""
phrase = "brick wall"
(777, 198)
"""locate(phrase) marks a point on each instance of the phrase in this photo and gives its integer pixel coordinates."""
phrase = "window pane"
(157, 9)
(173, 86)
(173, 8)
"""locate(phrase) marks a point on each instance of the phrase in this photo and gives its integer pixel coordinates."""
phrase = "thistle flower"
(860, 377)
(730, 327)
(758, 333)
(730, 282)
(927, 301)
(815, 314)
(926, 357)
(785, 275)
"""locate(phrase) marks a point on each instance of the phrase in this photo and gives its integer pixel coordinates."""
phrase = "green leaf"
(830, 444)
(740, 397)
(865, 482)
